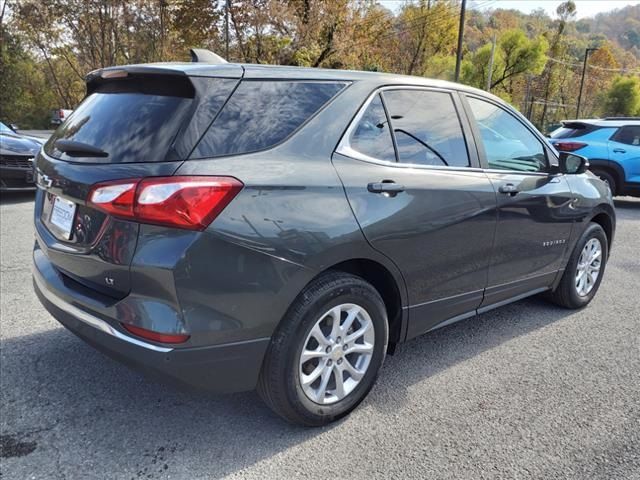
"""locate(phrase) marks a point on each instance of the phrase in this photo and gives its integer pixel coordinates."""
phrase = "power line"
(595, 67)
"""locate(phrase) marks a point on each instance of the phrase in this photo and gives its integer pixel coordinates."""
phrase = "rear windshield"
(572, 130)
(128, 126)
(261, 114)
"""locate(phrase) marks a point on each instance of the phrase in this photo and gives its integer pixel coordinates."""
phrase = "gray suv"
(245, 226)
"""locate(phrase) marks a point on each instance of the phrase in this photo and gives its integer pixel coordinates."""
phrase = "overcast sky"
(585, 8)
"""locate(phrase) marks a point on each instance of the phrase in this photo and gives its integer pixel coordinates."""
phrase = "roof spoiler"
(202, 55)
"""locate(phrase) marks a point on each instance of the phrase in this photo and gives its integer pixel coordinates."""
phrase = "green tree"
(515, 55)
(623, 97)
(25, 97)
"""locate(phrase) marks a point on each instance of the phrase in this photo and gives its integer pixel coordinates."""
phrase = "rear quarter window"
(261, 114)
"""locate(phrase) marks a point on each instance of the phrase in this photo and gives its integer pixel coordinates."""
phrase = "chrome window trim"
(92, 320)
(344, 146)
(517, 172)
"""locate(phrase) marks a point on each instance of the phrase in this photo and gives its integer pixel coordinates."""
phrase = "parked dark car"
(16, 160)
(241, 226)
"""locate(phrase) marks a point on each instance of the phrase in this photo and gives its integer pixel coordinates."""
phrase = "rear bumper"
(221, 368)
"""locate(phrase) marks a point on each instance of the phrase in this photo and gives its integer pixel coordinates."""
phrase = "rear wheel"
(583, 273)
(607, 178)
(325, 356)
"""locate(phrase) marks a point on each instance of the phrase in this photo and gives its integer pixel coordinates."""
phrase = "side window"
(372, 135)
(629, 135)
(427, 128)
(508, 144)
(261, 114)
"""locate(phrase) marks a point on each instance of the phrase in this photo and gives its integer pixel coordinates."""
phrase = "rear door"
(535, 207)
(132, 124)
(412, 180)
(624, 149)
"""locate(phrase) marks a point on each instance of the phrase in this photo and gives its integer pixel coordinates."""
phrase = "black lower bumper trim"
(221, 368)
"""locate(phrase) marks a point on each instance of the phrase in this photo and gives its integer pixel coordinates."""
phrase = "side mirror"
(13, 127)
(573, 164)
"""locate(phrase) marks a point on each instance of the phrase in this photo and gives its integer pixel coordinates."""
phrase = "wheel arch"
(390, 286)
(605, 219)
(612, 168)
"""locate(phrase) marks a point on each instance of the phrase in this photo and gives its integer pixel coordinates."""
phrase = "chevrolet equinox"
(237, 226)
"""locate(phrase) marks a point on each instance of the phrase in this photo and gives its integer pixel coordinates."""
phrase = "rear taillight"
(61, 113)
(569, 146)
(183, 202)
(156, 336)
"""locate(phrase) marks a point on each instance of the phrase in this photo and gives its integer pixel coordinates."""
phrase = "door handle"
(619, 150)
(508, 189)
(386, 186)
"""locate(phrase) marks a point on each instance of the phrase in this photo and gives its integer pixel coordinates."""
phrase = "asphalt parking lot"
(526, 391)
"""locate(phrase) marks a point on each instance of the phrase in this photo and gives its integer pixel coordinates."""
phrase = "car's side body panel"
(439, 232)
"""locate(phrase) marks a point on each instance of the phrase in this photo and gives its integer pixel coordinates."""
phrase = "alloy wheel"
(336, 353)
(589, 265)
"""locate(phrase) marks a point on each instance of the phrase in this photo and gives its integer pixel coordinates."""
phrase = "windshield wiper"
(79, 149)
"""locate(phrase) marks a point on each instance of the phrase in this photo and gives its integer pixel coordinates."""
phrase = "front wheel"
(325, 356)
(584, 271)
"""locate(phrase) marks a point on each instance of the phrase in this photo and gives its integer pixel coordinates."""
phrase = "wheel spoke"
(581, 281)
(358, 333)
(322, 389)
(311, 354)
(359, 348)
(319, 336)
(336, 314)
(351, 316)
(351, 370)
(313, 376)
(339, 390)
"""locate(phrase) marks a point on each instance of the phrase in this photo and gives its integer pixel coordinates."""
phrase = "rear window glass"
(573, 130)
(128, 126)
(261, 114)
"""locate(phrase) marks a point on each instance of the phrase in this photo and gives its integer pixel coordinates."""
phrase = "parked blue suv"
(612, 146)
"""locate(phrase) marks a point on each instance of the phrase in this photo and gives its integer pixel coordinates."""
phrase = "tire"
(567, 293)
(332, 295)
(607, 178)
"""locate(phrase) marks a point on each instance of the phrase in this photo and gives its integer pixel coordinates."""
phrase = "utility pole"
(584, 71)
(525, 107)
(226, 29)
(460, 35)
(490, 74)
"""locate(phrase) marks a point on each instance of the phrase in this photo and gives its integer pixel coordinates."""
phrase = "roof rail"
(202, 55)
(621, 118)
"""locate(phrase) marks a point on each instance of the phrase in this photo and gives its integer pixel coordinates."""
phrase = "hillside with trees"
(48, 46)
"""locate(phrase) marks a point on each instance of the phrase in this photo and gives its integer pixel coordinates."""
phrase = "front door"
(420, 203)
(535, 207)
